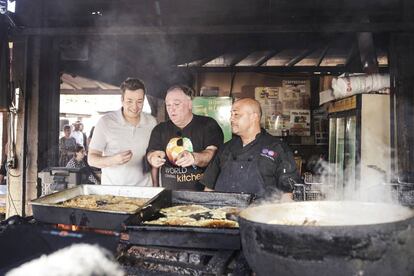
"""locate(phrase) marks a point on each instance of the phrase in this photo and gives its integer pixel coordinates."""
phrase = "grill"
(24, 239)
(187, 236)
(183, 250)
(137, 260)
(158, 249)
(46, 209)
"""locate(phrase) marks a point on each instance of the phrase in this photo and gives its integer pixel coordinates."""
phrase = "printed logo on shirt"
(269, 154)
(176, 146)
(182, 174)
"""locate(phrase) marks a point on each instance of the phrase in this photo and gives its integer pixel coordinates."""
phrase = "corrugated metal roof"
(71, 84)
(323, 56)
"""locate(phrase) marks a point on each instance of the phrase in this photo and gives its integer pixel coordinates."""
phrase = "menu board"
(217, 108)
(286, 107)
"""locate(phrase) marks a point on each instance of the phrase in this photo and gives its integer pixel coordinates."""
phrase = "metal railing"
(311, 191)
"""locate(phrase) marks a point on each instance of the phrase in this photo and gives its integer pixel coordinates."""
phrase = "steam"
(370, 180)
(375, 186)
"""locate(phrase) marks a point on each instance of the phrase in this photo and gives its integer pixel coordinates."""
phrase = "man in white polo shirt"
(120, 139)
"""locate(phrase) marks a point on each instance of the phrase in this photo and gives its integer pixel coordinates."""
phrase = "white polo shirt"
(113, 134)
(78, 135)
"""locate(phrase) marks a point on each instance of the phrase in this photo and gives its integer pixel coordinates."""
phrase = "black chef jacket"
(261, 167)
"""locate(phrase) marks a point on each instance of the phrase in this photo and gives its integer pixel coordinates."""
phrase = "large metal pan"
(46, 210)
(328, 238)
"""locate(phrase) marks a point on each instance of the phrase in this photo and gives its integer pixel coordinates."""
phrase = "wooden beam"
(367, 52)
(238, 57)
(402, 83)
(90, 92)
(298, 58)
(265, 58)
(321, 57)
(352, 53)
(220, 29)
(275, 69)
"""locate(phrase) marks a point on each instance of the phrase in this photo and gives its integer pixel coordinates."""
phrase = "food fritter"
(216, 223)
(184, 210)
(173, 221)
(197, 215)
(105, 203)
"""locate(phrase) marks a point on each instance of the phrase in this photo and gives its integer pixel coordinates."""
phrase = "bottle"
(298, 161)
(285, 135)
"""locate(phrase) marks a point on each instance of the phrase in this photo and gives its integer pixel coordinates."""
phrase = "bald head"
(245, 118)
(251, 105)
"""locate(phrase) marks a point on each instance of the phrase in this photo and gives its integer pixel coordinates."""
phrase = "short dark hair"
(65, 127)
(132, 84)
(186, 89)
(79, 147)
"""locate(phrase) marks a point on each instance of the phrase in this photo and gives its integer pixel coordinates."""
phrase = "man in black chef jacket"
(253, 161)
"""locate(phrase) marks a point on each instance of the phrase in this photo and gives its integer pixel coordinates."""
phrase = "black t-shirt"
(275, 163)
(200, 133)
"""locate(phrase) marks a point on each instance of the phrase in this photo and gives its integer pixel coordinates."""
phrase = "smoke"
(369, 180)
(374, 185)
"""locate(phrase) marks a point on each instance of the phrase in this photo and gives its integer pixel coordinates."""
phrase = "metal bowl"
(328, 238)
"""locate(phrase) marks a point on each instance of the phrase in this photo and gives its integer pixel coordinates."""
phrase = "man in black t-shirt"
(184, 145)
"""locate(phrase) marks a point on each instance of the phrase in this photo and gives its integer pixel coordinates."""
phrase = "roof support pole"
(402, 102)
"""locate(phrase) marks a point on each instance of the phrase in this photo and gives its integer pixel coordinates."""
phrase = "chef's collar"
(258, 135)
(262, 132)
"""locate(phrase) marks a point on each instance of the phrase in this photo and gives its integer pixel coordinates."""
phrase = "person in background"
(121, 137)
(253, 161)
(85, 138)
(3, 167)
(77, 132)
(3, 172)
(67, 146)
(78, 162)
(184, 145)
(90, 136)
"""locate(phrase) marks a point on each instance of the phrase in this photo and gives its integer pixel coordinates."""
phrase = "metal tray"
(188, 236)
(46, 210)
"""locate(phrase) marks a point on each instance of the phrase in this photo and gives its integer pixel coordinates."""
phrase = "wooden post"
(49, 101)
(402, 104)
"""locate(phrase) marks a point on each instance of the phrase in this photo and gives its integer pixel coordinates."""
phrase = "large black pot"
(349, 238)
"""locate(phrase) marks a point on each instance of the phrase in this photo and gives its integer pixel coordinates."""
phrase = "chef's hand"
(122, 157)
(156, 158)
(185, 159)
